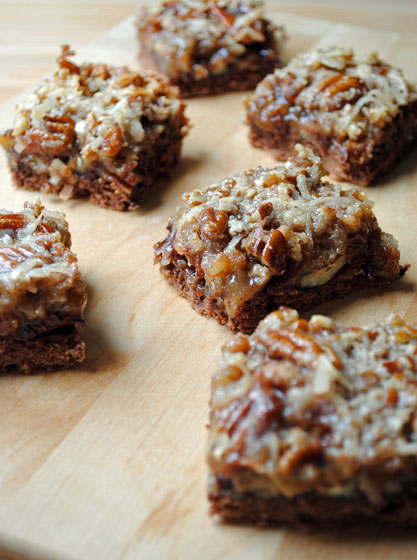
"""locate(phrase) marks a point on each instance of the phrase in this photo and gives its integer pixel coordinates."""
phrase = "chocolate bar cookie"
(268, 237)
(358, 114)
(314, 424)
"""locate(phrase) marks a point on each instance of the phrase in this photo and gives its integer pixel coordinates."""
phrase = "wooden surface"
(107, 461)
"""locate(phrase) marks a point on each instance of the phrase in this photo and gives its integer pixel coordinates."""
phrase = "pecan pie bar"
(315, 424)
(97, 132)
(268, 237)
(210, 46)
(360, 115)
(42, 296)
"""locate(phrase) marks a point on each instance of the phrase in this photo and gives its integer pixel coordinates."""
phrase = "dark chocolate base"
(232, 80)
(361, 163)
(98, 185)
(59, 348)
(316, 511)
(347, 281)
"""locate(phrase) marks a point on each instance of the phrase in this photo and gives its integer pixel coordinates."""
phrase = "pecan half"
(213, 225)
(330, 93)
(270, 247)
(56, 140)
(12, 221)
(290, 345)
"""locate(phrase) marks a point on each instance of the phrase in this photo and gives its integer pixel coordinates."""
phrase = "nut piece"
(270, 247)
(57, 138)
(112, 141)
(213, 225)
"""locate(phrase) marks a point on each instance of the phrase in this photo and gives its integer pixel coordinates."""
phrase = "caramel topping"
(39, 277)
(348, 97)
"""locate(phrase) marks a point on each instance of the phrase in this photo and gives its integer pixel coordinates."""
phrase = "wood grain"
(107, 461)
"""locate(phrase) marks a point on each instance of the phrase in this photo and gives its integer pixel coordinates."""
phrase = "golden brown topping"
(310, 405)
(89, 113)
(39, 278)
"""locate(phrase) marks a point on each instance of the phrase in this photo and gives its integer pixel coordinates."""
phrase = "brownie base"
(59, 348)
(232, 80)
(191, 287)
(98, 185)
(314, 511)
(358, 162)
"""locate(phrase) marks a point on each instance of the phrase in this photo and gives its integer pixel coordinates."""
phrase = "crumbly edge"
(313, 511)
(60, 348)
(345, 161)
(99, 186)
(348, 281)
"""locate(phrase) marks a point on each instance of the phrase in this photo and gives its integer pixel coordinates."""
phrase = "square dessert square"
(98, 132)
(268, 237)
(314, 424)
(359, 115)
(210, 46)
(42, 296)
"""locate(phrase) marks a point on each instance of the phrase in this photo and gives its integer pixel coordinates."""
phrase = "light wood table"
(107, 461)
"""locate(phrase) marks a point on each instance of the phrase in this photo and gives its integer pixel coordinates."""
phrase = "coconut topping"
(301, 406)
(284, 222)
(350, 97)
(38, 273)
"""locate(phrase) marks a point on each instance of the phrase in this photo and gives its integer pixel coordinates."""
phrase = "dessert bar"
(268, 237)
(98, 132)
(209, 46)
(358, 114)
(42, 296)
(314, 424)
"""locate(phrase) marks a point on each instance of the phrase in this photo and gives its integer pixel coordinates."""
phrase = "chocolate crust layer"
(233, 80)
(99, 186)
(191, 287)
(60, 348)
(311, 511)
